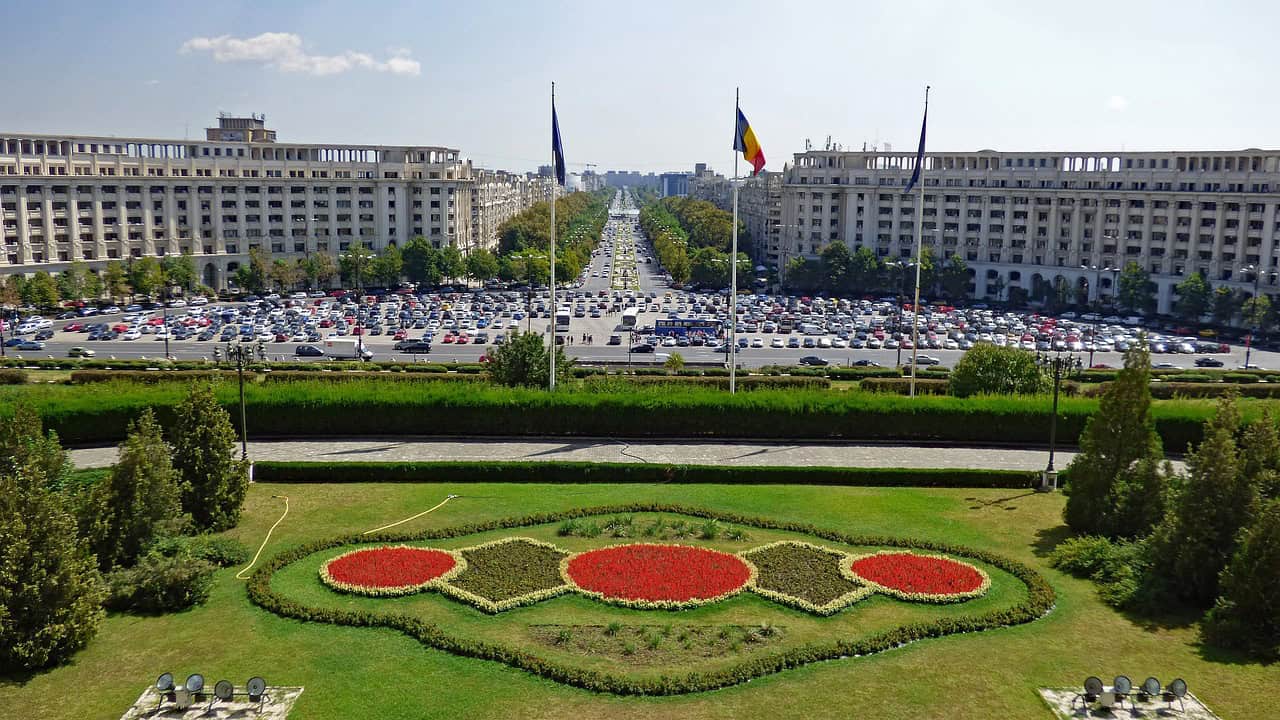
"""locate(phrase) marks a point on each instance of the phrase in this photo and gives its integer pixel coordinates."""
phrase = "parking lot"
(622, 281)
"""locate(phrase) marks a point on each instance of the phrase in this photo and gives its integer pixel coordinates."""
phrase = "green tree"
(955, 278)
(11, 289)
(92, 285)
(987, 369)
(354, 264)
(1246, 615)
(482, 265)
(1195, 297)
(997, 285)
(421, 262)
(1117, 478)
(1256, 312)
(1226, 304)
(1136, 292)
(72, 281)
(525, 361)
(674, 363)
(317, 269)
(386, 268)
(452, 265)
(138, 502)
(837, 264)
(116, 281)
(283, 274)
(50, 590)
(803, 274)
(40, 290)
(145, 276)
(213, 481)
(864, 270)
(1216, 501)
(179, 271)
(1260, 455)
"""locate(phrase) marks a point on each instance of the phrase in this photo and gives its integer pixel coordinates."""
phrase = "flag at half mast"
(557, 150)
(915, 174)
(744, 141)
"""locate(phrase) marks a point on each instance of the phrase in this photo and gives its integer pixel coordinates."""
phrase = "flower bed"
(651, 576)
(508, 573)
(804, 576)
(919, 578)
(390, 570)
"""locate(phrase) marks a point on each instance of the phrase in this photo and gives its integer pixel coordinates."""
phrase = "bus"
(562, 319)
(629, 317)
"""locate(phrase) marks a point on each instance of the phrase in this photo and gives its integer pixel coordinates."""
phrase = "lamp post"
(1096, 291)
(1058, 366)
(1253, 319)
(902, 266)
(242, 353)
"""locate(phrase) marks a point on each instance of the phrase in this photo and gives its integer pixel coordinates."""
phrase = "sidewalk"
(603, 450)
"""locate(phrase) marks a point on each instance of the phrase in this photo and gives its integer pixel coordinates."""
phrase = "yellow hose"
(415, 517)
(239, 575)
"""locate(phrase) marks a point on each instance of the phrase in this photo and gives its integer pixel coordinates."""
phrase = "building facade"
(1031, 220)
(97, 199)
(759, 209)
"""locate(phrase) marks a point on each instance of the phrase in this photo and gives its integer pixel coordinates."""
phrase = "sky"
(650, 85)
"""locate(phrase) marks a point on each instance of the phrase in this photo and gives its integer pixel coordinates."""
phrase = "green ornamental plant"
(213, 481)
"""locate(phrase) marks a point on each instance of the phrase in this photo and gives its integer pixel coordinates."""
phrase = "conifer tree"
(212, 480)
(1247, 615)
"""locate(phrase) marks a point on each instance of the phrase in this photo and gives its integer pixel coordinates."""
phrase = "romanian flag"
(744, 141)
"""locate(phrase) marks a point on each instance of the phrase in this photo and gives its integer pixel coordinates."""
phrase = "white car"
(131, 334)
(777, 343)
(757, 342)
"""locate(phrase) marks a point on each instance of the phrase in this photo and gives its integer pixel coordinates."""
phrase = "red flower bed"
(920, 576)
(387, 570)
(655, 576)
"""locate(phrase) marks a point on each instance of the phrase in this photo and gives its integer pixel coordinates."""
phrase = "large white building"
(1027, 219)
(98, 199)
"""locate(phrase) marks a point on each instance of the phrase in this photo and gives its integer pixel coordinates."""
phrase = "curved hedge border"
(1040, 601)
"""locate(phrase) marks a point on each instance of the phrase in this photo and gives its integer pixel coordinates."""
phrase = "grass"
(346, 670)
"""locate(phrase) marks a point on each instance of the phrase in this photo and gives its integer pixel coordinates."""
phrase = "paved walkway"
(605, 450)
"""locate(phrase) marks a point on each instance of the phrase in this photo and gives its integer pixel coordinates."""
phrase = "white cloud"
(284, 52)
(1117, 103)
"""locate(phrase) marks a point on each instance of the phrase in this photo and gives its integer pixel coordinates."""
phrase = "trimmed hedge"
(1039, 602)
(586, 472)
(745, 382)
(1167, 390)
(372, 407)
(85, 377)
(13, 377)
(902, 386)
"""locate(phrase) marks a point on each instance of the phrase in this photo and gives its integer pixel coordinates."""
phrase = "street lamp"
(1096, 290)
(1253, 319)
(902, 266)
(242, 353)
(1058, 366)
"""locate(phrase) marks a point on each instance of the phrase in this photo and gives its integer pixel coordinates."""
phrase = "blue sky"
(650, 85)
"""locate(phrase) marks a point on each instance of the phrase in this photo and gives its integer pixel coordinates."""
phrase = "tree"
(25, 444)
(1196, 541)
(213, 481)
(283, 274)
(1245, 616)
(803, 274)
(998, 285)
(115, 280)
(386, 268)
(1135, 292)
(1260, 455)
(11, 289)
(317, 269)
(955, 278)
(421, 264)
(138, 502)
(1117, 478)
(451, 263)
(1256, 312)
(482, 265)
(1226, 303)
(1194, 298)
(179, 271)
(987, 369)
(145, 275)
(674, 363)
(72, 281)
(837, 264)
(864, 270)
(525, 361)
(40, 290)
(92, 285)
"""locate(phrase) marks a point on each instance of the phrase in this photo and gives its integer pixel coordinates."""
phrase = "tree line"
(691, 239)
(524, 241)
(840, 271)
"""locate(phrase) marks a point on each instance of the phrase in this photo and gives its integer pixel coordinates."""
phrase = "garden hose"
(415, 517)
(240, 575)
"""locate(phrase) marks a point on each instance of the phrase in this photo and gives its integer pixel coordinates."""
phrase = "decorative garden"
(651, 599)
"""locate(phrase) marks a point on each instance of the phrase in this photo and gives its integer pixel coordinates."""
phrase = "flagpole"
(733, 267)
(915, 307)
(554, 182)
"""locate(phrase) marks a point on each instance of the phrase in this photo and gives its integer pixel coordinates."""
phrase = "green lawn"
(359, 672)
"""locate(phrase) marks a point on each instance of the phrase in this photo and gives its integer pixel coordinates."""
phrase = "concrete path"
(604, 450)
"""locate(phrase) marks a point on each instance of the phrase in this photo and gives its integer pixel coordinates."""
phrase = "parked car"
(813, 360)
(927, 360)
(413, 346)
(1207, 362)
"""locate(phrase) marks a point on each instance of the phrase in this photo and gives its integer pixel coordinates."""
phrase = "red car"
(400, 335)
(73, 327)
(449, 339)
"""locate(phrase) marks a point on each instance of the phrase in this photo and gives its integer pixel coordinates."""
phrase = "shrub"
(1235, 378)
(992, 370)
(744, 382)
(160, 584)
(861, 373)
(1194, 378)
(674, 363)
(525, 361)
(219, 551)
(13, 377)
(1116, 567)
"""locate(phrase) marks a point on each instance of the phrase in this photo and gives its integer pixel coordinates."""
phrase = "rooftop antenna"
(828, 147)
(807, 145)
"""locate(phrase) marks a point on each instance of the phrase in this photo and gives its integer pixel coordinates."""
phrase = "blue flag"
(915, 174)
(556, 148)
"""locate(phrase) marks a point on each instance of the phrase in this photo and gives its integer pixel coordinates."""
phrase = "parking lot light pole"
(242, 353)
(1253, 320)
